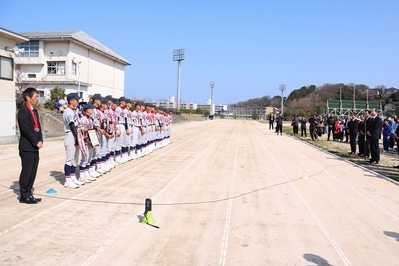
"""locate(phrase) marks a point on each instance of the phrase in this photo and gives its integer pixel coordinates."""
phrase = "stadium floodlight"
(212, 85)
(282, 88)
(178, 55)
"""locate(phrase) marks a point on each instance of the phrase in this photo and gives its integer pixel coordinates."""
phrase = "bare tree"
(22, 81)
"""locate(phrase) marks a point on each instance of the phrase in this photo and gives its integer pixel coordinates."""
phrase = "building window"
(32, 76)
(56, 67)
(6, 68)
(41, 96)
(73, 69)
(31, 49)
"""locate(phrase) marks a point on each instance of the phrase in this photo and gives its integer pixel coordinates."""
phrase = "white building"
(71, 60)
(8, 41)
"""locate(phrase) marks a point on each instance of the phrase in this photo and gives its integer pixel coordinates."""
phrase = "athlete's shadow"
(392, 234)
(319, 261)
(59, 176)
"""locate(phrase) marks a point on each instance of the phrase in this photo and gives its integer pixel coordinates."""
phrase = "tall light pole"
(282, 88)
(212, 85)
(354, 97)
(340, 100)
(178, 55)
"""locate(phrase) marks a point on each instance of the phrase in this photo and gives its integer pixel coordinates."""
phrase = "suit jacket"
(375, 127)
(353, 126)
(28, 137)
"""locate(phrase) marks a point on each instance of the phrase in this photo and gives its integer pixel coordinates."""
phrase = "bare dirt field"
(224, 192)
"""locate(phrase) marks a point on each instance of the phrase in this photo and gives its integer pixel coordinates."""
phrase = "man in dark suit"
(352, 132)
(271, 121)
(374, 133)
(31, 140)
(331, 123)
(365, 151)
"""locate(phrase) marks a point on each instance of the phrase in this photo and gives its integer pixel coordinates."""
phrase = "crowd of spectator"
(362, 131)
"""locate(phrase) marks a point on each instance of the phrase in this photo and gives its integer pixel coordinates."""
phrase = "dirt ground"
(224, 192)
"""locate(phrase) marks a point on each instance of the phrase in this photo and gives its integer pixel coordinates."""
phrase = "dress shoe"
(37, 199)
(396, 166)
(373, 162)
(29, 200)
(351, 152)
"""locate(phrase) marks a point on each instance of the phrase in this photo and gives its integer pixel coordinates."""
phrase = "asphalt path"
(224, 192)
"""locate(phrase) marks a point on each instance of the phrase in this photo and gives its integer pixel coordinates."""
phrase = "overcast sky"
(248, 48)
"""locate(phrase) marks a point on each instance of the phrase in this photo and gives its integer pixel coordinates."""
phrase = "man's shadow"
(15, 188)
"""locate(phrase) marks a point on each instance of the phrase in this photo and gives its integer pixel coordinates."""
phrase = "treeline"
(308, 100)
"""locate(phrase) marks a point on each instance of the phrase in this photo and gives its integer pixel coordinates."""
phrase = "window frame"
(74, 69)
(31, 49)
(4, 58)
(57, 69)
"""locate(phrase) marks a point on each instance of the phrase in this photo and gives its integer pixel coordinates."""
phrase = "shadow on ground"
(392, 234)
(59, 176)
(319, 261)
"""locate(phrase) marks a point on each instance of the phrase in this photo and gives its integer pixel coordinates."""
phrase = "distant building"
(389, 108)
(385, 91)
(71, 60)
(271, 110)
(172, 104)
(8, 40)
(244, 112)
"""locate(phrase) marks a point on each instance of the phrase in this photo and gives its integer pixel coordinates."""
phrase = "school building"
(72, 60)
(8, 40)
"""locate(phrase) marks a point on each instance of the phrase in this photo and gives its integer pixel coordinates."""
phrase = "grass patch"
(341, 149)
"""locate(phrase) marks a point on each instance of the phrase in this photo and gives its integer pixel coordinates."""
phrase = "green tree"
(255, 115)
(56, 94)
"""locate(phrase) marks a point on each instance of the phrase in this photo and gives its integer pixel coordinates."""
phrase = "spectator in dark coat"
(331, 125)
(271, 121)
(352, 130)
(303, 121)
(313, 122)
(374, 133)
(279, 124)
(295, 124)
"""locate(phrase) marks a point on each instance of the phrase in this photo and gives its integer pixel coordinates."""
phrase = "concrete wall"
(50, 123)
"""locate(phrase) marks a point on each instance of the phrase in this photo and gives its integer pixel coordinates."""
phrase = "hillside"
(311, 99)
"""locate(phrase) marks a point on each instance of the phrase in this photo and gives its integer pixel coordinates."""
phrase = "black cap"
(72, 96)
(96, 97)
(138, 104)
(87, 106)
(108, 97)
(104, 101)
(122, 99)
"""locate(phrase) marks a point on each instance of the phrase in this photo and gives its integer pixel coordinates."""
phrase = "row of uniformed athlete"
(107, 133)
